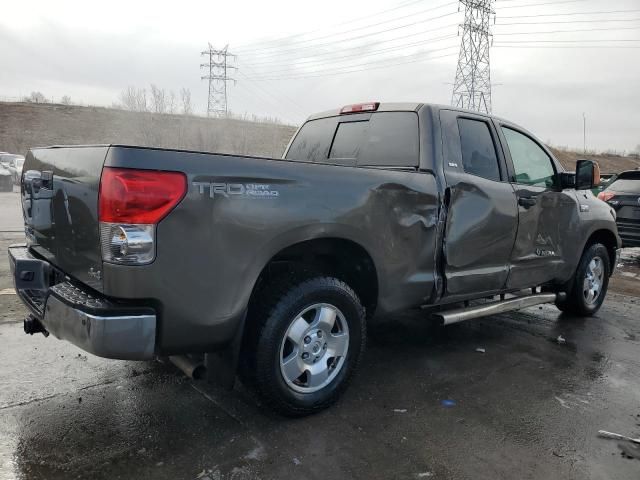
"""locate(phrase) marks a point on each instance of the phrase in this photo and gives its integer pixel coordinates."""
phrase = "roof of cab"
(404, 107)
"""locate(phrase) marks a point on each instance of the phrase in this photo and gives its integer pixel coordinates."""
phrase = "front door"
(482, 217)
(545, 212)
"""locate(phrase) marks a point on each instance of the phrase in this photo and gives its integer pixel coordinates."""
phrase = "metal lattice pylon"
(472, 86)
(217, 74)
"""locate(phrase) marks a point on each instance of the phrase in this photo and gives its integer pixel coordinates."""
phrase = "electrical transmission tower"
(472, 86)
(217, 73)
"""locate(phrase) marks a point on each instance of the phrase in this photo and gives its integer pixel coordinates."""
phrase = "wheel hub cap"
(314, 348)
(593, 281)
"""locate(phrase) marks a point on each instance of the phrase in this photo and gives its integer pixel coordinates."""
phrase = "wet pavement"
(425, 404)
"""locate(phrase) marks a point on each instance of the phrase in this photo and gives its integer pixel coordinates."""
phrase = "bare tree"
(171, 103)
(158, 97)
(185, 98)
(65, 100)
(134, 99)
(36, 97)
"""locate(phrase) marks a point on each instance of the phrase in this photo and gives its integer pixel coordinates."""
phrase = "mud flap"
(222, 365)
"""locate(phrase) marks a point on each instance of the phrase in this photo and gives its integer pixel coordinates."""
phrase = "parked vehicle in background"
(6, 179)
(14, 164)
(623, 194)
(279, 264)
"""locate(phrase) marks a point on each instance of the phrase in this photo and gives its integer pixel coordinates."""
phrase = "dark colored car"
(623, 194)
(275, 267)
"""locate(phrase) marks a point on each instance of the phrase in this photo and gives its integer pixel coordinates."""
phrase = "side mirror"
(587, 175)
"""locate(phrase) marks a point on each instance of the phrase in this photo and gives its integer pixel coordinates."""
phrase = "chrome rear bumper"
(95, 324)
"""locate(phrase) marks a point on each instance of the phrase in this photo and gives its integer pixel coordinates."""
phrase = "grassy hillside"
(26, 125)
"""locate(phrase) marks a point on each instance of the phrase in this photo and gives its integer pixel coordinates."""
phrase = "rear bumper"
(98, 325)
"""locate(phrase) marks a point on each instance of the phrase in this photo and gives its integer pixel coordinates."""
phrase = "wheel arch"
(335, 256)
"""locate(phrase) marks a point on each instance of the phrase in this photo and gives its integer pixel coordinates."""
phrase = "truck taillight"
(139, 196)
(131, 202)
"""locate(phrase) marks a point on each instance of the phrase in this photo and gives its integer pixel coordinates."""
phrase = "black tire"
(576, 302)
(270, 316)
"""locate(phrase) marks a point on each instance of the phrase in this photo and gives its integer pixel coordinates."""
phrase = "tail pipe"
(493, 308)
(190, 367)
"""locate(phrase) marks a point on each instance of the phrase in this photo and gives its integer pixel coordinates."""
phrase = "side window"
(531, 163)
(478, 150)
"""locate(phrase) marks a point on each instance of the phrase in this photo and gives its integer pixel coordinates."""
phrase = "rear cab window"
(384, 139)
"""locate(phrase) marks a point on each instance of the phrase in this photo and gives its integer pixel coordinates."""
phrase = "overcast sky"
(293, 56)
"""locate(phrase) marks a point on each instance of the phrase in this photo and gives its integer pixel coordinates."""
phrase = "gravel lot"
(426, 403)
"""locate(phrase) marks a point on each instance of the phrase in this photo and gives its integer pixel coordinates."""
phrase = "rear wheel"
(590, 284)
(310, 337)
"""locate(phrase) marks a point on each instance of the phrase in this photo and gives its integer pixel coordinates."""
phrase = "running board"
(516, 303)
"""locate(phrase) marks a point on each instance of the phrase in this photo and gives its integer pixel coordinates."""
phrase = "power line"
(376, 66)
(340, 59)
(572, 21)
(572, 13)
(358, 47)
(574, 41)
(291, 101)
(342, 40)
(507, 45)
(359, 19)
(567, 31)
(472, 85)
(541, 4)
(266, 102)
(365, 27)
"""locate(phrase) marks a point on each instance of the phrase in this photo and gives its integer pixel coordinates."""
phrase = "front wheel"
(590, 283)
(310, 338)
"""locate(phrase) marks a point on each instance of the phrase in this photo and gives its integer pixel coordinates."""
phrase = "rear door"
(482, 217)
(545, 212)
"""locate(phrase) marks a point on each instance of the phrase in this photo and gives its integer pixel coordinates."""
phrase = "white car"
(14, 164)
(6, 183)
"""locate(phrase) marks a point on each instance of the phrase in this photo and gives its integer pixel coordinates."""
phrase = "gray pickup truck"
(272, 268)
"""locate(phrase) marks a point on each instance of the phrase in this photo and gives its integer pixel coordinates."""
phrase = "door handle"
(527, 202)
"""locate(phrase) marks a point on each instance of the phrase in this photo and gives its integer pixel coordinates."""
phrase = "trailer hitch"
(33, 325)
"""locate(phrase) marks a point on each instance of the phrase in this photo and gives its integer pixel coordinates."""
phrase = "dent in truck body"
(210, 251)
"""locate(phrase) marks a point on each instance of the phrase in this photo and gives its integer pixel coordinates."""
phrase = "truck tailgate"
(60, 204)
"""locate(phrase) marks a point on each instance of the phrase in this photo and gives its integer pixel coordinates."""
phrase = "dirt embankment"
(608, 163)
(26, 125)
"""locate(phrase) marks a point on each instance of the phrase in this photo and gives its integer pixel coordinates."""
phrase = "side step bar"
(461, 314)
